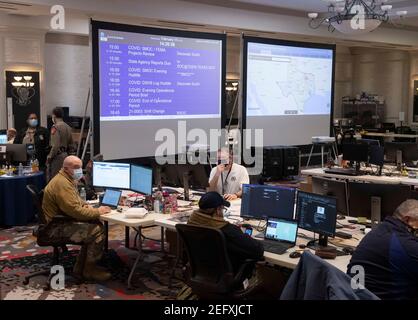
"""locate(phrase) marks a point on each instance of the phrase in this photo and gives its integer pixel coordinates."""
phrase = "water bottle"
(157, 206)
(83, 194)
(20, 170)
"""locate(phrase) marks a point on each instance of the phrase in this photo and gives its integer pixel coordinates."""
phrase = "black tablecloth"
(16, 206)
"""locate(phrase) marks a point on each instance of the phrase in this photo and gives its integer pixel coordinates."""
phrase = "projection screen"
(147, 79)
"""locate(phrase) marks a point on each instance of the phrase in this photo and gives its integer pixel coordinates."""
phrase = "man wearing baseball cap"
(240, 246)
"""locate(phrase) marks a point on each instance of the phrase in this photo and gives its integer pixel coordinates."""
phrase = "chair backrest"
(37, 197)
(316, 279)
(209, 267)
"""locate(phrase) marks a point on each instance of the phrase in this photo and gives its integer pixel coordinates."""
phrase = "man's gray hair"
(408, 208)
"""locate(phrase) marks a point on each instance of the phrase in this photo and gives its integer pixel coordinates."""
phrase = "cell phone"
(249, 231)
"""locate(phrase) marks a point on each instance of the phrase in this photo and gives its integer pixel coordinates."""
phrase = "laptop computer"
(111, 198)
(280, 235)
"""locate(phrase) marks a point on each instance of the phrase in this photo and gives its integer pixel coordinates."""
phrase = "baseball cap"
(212, 200)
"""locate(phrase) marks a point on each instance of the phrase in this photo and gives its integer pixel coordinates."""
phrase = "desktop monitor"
(262, 201)
(317, 213)
(361, 194)
(409, 151)
(377, 155)
(198, 175)
(333, 188)
(16, 153)
(141, 179)
(3, 138)
(111, 175)
(356, 152)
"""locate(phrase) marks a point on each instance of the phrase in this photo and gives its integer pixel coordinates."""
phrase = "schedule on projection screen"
(144, 76)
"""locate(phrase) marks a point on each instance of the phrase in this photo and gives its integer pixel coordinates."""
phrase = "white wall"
(21, 51)
(67, 72)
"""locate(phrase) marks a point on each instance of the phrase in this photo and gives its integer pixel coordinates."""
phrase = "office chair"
(59, 246)
(316, 279)
(209, 271)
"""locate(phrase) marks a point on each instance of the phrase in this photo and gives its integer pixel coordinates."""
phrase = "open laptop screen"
(111, 198)
(281, 230)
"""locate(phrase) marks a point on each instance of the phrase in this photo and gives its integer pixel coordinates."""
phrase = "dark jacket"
(316, 279)
(240, 246)
(41, 138)
(389, 255)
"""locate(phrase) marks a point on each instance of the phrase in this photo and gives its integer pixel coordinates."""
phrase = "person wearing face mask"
(228, 177)
(61, 198)
(61, 143)
(389, 255)
(36, 135)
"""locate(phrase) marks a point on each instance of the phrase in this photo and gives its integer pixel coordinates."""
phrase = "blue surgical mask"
(33, 122)
(78, 174)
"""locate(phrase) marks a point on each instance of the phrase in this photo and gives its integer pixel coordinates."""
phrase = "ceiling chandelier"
(355, 16)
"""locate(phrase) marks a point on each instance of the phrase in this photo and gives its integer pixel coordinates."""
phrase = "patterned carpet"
(20, 255)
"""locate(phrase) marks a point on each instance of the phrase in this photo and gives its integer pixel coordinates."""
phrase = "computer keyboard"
(274, 247)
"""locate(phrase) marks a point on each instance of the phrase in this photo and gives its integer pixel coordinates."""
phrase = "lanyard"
(222, 179)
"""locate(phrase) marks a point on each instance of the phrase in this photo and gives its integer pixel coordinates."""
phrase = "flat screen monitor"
(141, 179)
(16, 153)
(111, 175)
(333, 188)
(262, 201)
(377, 155)
(391, 196)
(356, 152)
(317, 213)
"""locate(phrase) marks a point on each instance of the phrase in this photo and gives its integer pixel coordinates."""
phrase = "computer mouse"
(295, 255)
(302, 246)
(348, 250)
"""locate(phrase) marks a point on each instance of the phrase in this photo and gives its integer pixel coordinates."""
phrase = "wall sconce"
(23, 89)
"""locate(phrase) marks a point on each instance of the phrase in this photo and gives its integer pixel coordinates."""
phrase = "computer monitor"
(262, 201)
(391, 196)
(356, 152)
(3, 138)
(333, 188)
(377, 155)
(198, 175)
(15, 153)
(111, 175)
(318, 214)
(409, 151)
(141, 179)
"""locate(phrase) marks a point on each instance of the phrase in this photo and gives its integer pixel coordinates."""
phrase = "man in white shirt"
(228, 177)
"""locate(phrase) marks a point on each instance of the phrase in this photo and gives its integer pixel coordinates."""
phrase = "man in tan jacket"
(61, 198)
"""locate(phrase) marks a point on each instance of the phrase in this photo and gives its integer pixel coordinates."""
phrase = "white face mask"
(78, 174)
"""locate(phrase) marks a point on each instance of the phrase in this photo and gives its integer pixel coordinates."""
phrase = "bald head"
(408, 213)
(72, 163)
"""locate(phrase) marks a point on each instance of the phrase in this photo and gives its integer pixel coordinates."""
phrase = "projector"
(323, 139)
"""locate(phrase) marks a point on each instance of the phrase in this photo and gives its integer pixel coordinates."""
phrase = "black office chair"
(209, 272)
(59, 246)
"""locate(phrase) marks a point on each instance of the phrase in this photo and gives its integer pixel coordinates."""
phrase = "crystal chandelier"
(355, 16)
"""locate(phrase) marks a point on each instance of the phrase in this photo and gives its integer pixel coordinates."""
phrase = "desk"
(137, 224)
(319, 172)
(16, 206)
(390, 135)
(284, 260)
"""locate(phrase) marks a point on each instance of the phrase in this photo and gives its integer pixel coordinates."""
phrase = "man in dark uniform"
(36, 135)
(61, 143)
